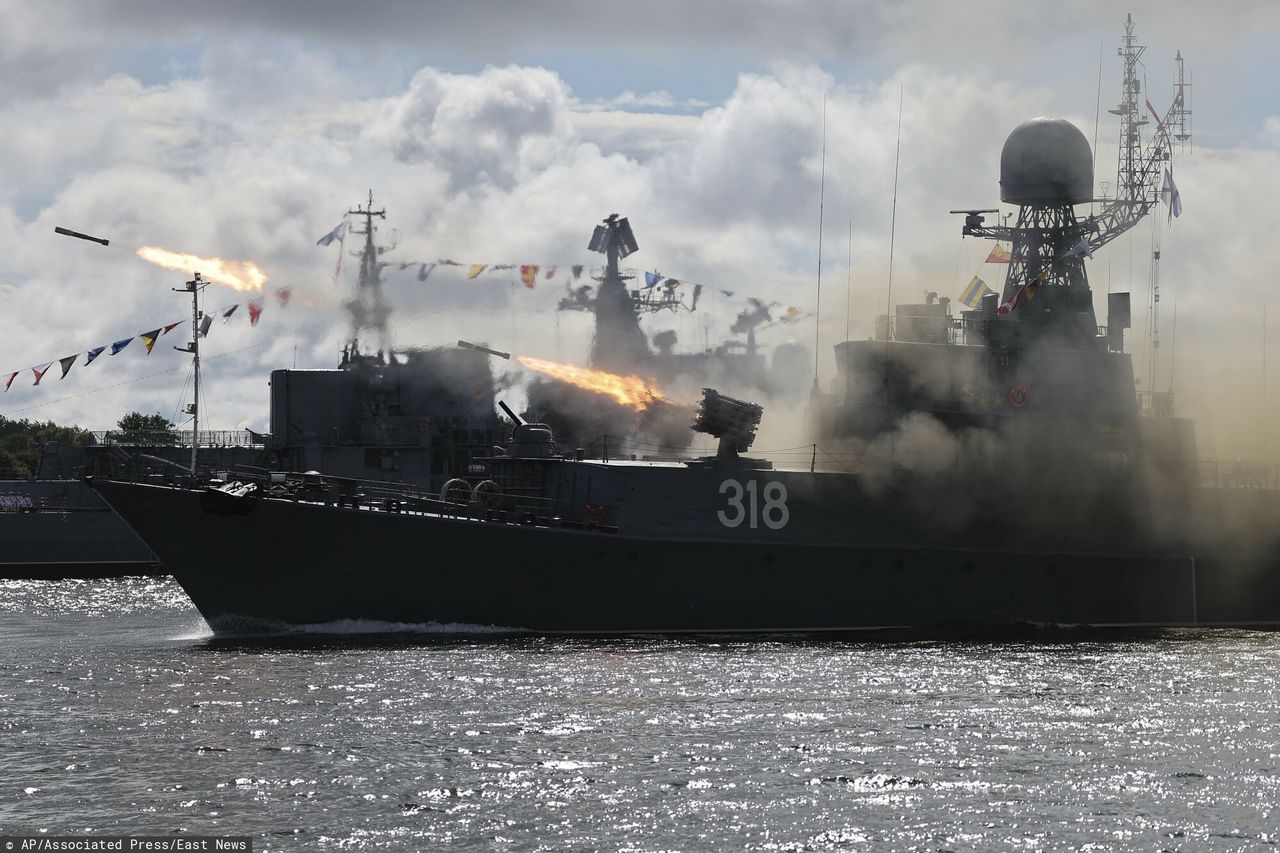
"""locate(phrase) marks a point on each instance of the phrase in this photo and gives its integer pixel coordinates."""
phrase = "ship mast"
(1182, 104)
(1130, 183)
(1138, 172)
(194, 287)
(368, 308)
(619, 344)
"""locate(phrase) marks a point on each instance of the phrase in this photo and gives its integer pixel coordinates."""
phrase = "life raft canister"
(1018, 397)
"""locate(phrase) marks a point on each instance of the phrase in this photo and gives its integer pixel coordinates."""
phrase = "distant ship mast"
(369, 309)
(619, 343)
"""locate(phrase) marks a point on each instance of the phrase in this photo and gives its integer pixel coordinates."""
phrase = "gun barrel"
(58, 229)
(478, 348)
(510, 413)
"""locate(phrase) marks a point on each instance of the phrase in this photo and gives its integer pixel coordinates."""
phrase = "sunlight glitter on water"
(123, 716)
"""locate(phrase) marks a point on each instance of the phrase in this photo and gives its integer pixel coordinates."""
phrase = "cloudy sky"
(499, 132)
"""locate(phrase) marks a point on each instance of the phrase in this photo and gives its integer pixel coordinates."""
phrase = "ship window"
(372, 457)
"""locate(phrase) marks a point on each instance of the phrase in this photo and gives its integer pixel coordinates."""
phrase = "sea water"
(120, 715)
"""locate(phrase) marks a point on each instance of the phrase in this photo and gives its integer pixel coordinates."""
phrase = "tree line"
(20, 440)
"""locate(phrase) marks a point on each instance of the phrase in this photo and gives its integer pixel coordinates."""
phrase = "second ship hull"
(53, 529)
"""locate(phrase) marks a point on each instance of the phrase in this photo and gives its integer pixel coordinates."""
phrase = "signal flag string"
(131, 381)
(254, 310)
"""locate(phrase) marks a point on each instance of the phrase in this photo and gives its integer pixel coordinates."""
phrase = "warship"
(59, 528)
(1005, 475)
(1064, 514)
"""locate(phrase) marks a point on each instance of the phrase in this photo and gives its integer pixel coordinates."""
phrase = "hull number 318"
(766, 506)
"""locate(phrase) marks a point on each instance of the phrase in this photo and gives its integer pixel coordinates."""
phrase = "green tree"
(20, 454)
(21, 442)
(149, 423)
(11, 468)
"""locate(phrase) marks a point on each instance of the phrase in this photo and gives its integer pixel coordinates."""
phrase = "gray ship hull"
(55, 529)
(288, 563)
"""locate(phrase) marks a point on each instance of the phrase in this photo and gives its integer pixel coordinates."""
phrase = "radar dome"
(1046, 161)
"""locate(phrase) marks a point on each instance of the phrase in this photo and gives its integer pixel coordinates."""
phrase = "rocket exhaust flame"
(628, 390)
(243, 276)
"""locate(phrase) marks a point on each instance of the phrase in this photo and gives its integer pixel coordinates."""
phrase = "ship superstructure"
(418, 416)
(1029, 387)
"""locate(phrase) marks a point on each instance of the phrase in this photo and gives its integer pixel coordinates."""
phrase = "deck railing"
(1239, 474)
(352, 493)
(180, 438)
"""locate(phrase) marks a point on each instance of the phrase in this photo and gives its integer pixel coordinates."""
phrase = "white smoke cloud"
(259, 145)
(497, 127)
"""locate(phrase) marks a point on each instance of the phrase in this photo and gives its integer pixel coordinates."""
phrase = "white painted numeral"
(775, 514)
(735, 501)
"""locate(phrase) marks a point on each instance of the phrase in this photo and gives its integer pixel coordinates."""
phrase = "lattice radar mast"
(1043, 167)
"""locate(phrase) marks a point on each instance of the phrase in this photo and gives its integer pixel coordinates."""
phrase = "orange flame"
(627, 390)
(240, 275)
